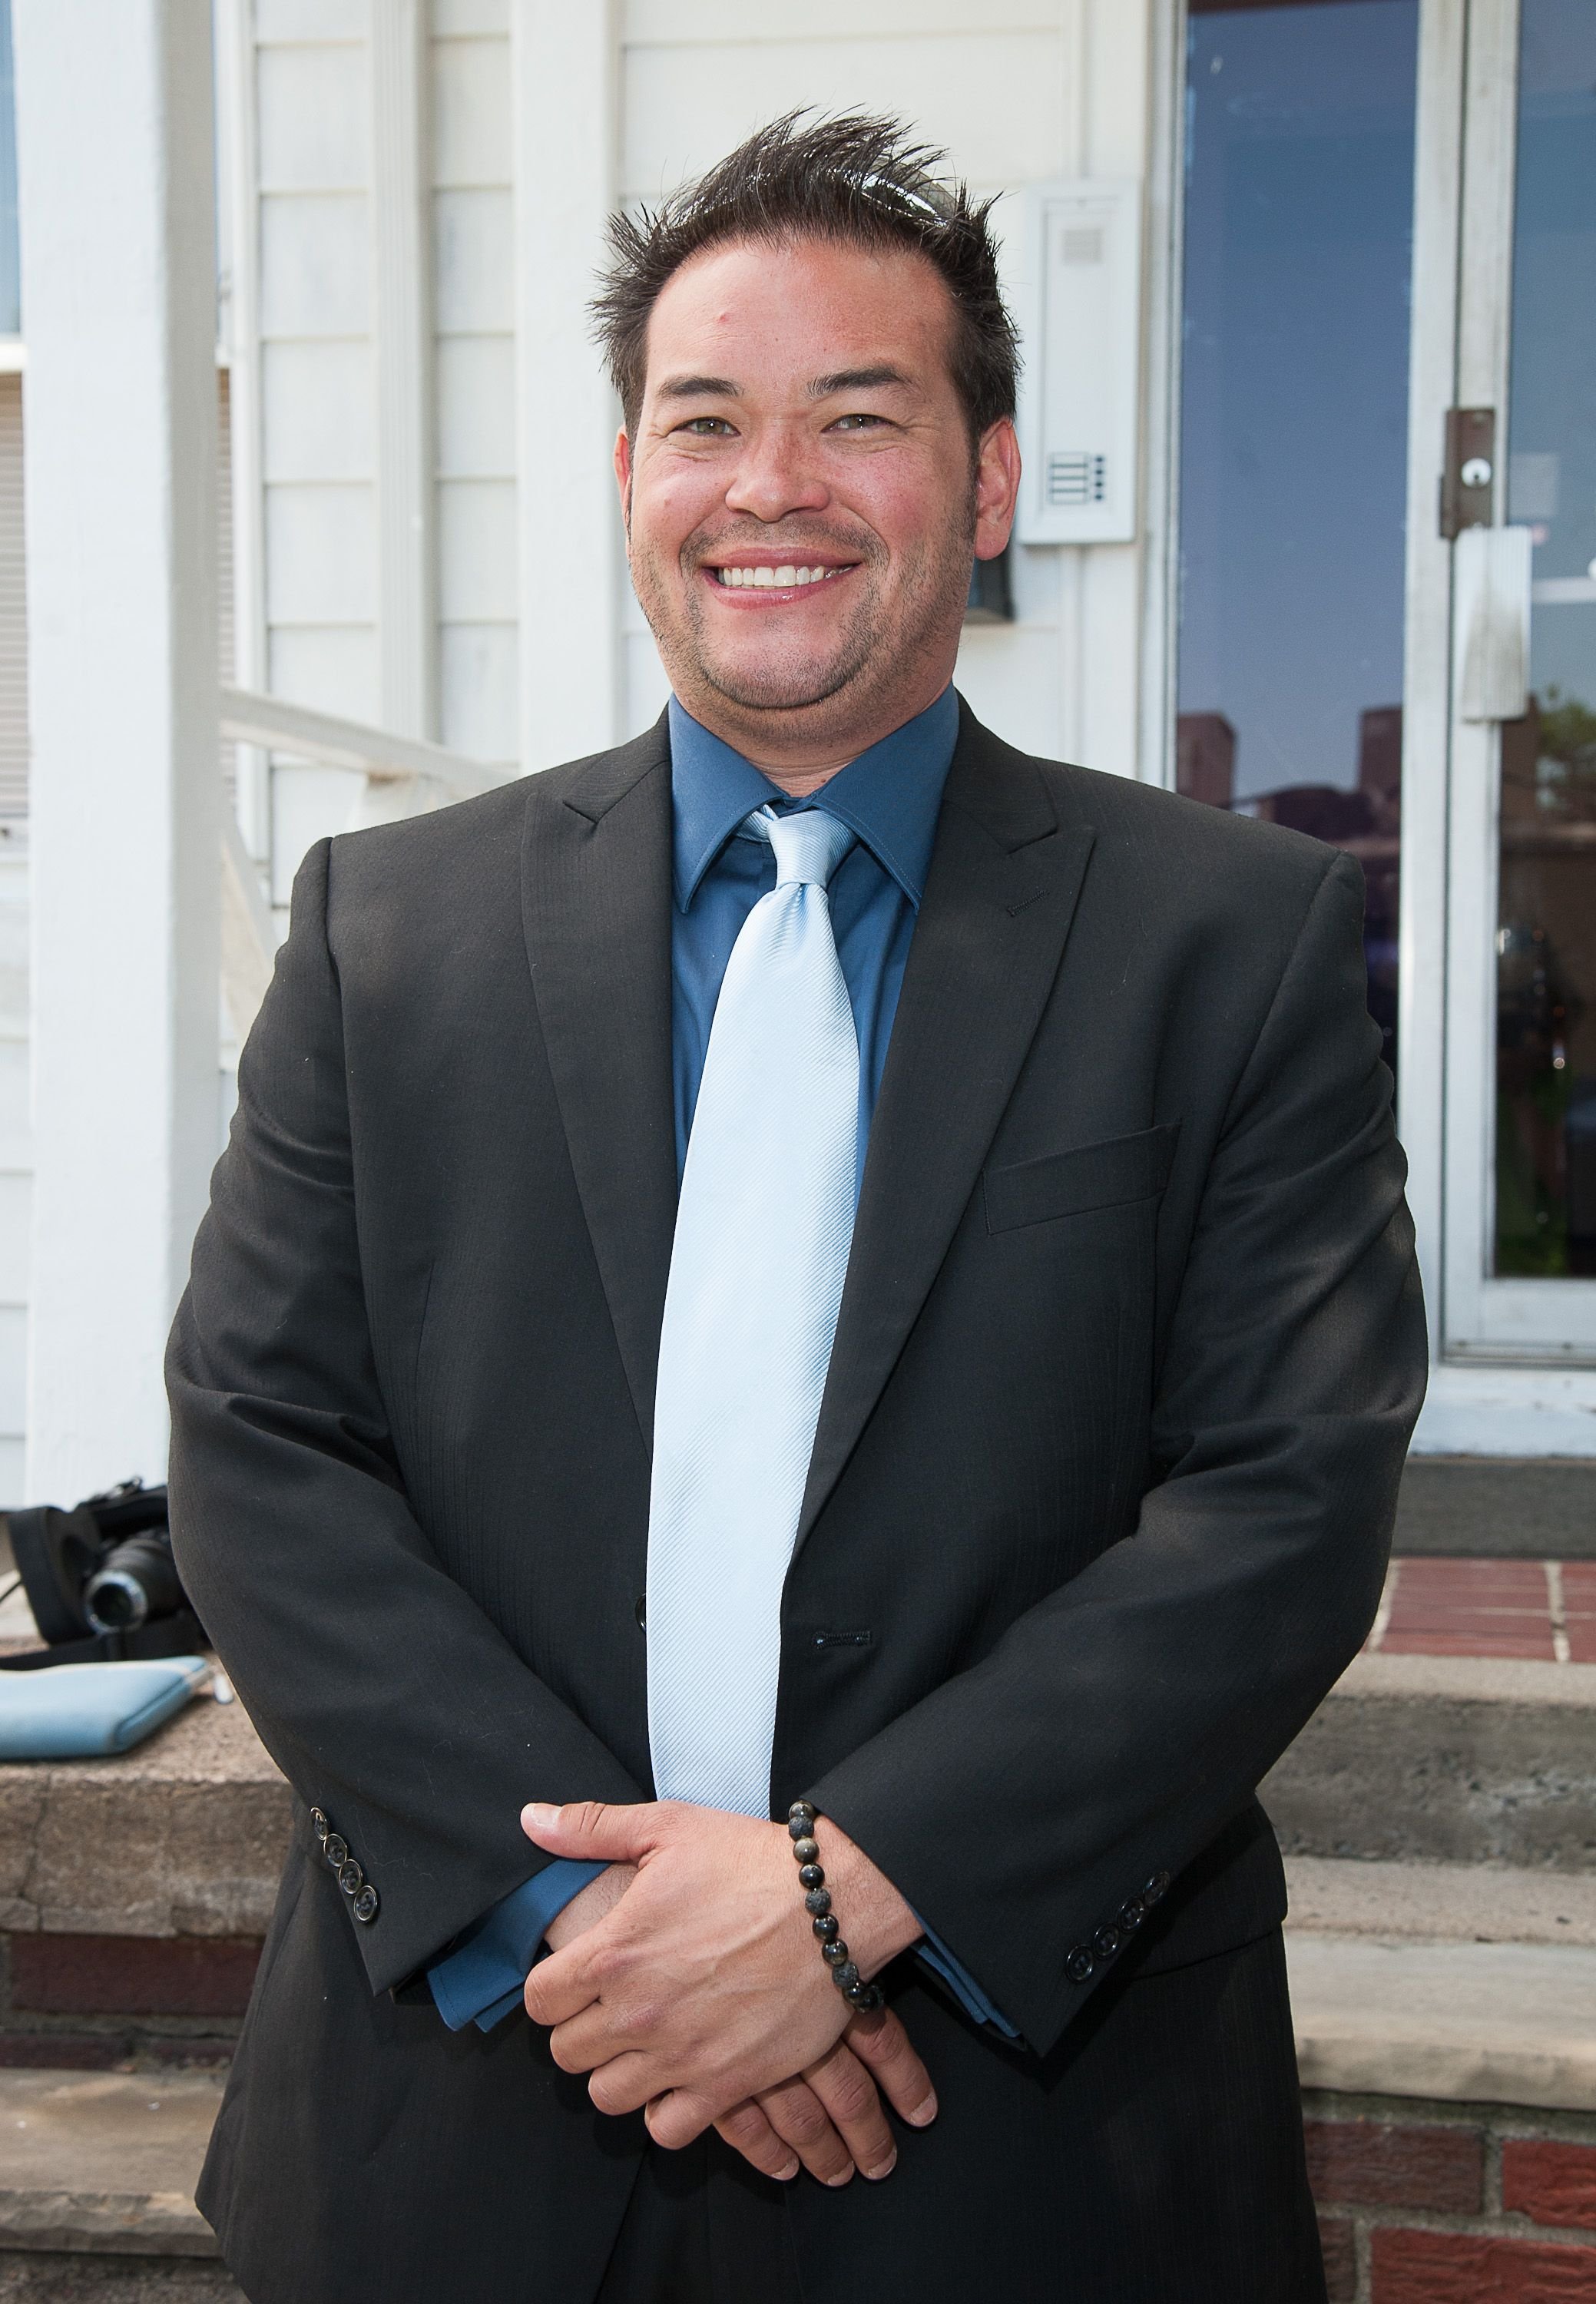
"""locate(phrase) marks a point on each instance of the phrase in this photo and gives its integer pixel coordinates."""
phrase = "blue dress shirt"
(889, 797)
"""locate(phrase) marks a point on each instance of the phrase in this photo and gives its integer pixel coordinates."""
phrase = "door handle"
(1491, 573)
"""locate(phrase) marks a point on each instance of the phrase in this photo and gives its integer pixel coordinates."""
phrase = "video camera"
(101, 1581)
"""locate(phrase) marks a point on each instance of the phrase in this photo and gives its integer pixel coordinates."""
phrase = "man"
(812, 1264)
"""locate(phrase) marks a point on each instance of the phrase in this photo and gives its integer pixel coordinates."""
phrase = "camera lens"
(138, 1580)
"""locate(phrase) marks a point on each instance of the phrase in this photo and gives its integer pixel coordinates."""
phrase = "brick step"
(1445, 1759)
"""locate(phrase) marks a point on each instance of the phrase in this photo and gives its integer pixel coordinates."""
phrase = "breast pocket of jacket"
(1087, 1178)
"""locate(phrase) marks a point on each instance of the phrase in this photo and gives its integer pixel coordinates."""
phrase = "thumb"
(592, 1830)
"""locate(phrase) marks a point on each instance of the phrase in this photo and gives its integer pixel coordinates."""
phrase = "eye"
(707, 427)
(861, 420)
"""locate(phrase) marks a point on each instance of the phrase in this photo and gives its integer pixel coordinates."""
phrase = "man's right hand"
(828, 2119)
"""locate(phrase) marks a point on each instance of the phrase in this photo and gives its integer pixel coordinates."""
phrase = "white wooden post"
(115, 196)
(565, 66)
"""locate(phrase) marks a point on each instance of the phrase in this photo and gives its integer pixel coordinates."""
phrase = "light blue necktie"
(763, 1229)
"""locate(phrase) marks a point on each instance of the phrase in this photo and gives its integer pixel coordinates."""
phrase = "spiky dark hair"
(855, 176)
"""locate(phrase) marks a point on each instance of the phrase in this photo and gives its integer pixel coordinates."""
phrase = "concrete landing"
(104, 2162)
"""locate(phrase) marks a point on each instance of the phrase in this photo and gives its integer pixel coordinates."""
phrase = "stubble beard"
(867, 658)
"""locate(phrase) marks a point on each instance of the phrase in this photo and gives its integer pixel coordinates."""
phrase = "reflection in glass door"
(1546, 938)
(1294, 427)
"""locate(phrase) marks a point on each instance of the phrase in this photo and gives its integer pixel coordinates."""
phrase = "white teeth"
(771, 579)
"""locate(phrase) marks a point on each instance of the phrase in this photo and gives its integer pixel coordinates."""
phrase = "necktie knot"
(808, 846)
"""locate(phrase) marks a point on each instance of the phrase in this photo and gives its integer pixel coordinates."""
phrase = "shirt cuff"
(481, 1979)
(962, 1985)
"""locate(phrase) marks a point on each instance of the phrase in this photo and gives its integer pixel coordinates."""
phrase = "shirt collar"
(889, 797)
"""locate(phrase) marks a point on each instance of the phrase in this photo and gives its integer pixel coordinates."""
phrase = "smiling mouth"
(733, 576)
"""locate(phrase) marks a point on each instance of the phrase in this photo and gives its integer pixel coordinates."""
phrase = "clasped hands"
(687, 1980)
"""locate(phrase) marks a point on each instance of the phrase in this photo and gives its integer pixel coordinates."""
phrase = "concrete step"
(96, 2189)
(1470, 2023)
(1452, 1903)
(1446, 1760)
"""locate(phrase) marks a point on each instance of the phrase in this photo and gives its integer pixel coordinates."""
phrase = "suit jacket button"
(365, 1904)
(350, 1878)
(318, 1824)
(1132, 1915)
(337, 1849)
(1106, 1942)
(1080, 1967)
(1157, 1887)
(639, 1609)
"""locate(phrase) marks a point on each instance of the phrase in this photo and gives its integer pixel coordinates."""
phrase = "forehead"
(754, 310)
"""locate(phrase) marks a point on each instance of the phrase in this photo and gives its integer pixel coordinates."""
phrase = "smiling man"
(794, 1384)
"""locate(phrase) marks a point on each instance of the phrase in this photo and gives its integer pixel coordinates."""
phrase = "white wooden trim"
(402, 270)
(1160, 430)
(115, 199)
(236, 157)
(565, 64)
(334, 742)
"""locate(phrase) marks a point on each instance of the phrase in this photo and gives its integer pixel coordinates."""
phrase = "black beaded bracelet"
(816, 1904)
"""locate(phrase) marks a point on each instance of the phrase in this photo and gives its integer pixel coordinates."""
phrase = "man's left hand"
(704, 1986)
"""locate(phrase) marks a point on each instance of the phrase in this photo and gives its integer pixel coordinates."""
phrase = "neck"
(802, 750)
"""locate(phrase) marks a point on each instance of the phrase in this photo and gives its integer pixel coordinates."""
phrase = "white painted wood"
(476, 408)
(239, 254)
(477, 552)
(322, 554)
(329, 741)
(691, 21)
(480, 690)
(993, 98)
(311, 20)
(474, 262)
(314, 110)
(115, 124)
(564, 67)
(315, 264)
(454, 17)
(401, 245)
(331, 668)
(319, 410)
(470, 112)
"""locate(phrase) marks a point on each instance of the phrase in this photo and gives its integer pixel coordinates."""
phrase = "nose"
(775, 476)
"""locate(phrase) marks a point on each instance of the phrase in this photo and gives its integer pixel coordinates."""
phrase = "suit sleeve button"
(350, 1878)
(1132, 1915)
(365, 1904)
(1106, 1942)
(318, 1824)
(1081, 1967)
(1157, 1887)
(337, 1849)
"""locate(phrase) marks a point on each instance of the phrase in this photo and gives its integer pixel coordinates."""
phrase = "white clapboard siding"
(14, 611)
(474, 378)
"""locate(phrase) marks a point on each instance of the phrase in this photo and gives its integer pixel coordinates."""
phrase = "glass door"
(1520, 1198)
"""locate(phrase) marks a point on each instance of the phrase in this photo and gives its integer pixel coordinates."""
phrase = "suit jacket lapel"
(596, 905)
(1000, 895)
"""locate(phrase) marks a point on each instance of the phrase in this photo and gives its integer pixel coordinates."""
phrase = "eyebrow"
(699, 388)
(859, 379)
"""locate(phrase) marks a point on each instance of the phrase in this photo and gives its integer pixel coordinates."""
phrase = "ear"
(622, 461)
(997, 488)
